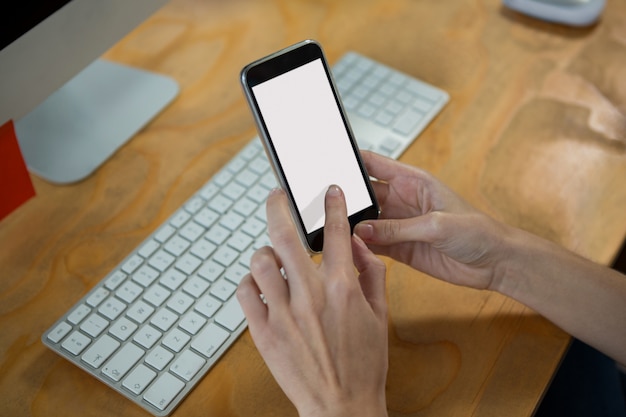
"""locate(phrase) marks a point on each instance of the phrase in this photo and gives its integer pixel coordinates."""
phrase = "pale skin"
(323, 329)
(427, 226)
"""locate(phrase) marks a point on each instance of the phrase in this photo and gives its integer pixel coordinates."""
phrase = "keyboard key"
(259, 165)
(203, 249)
(208, 305)
(131, 264)
(94, 325)
(176, 245)
(211, 271)
(97, 296)
(163, 391)
(145, 275)
(122, 361)
(206, 217)
(220, 204)
(258, 193)
(226, 256)
(222, 178)
(209, 340)
(187, 365)
(128, 292)
(209, 190)
(195, 286)
(251, 151)
(192, 231)
(78, 314)
(240, 241)
(147, 336)
(115, 280)
(140, 311)
(253, 227)
(112, 308)
(59, 332)
(194, 204)
(188, 264)
(384, 118)
(217, 234)
(247, 178)
(390, 144)
(269, 180)
(234, 191)
(231, 315)
(367, 110)
(176, 340)
(179, 218)
(231, 221)
(422, 105)
(223, 289)
(172, 279)
(180, 302)
(236, 165)
(123, 328)
(159, 357)
(164, 319)
(245, 206)
(161, 260)
(164, 233)
(156, 295)
(100, 351)
(139, 379)
(245, 257)
(407, 122)
(76, 343)
(148, 248)
(236, 273)
(192, 322)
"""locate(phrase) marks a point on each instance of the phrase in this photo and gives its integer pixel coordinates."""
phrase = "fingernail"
(364, 230)
(334, 191)
(275, 191)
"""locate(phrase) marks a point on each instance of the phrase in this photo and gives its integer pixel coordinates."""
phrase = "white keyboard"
(156, 324)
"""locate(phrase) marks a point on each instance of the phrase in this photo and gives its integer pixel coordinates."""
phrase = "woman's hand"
(426, 225)
(322, 330)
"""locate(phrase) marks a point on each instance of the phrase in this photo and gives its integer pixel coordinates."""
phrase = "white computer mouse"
(568, 12)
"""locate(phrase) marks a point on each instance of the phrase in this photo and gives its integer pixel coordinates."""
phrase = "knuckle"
(308, 307)
(437, 222)
(341, 227)
(343, 287)
(281, 235)
(262, 262)
(391, 229)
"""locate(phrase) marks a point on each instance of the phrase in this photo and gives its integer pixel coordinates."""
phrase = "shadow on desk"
(432, 357)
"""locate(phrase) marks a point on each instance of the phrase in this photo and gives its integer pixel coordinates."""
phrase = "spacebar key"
(163, 391)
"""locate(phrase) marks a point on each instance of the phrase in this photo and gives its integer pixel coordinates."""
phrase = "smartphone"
(307, 137)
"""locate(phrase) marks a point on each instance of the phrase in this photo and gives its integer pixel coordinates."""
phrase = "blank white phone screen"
(311, 142)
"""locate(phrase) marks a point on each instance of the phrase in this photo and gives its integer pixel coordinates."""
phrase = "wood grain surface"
(534, 134)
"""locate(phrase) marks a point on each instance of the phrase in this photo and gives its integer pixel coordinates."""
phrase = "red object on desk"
(15, 184)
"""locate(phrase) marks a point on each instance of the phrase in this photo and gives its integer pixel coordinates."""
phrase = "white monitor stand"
(82, 124)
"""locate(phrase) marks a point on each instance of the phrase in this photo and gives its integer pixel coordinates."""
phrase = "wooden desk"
(534, 134)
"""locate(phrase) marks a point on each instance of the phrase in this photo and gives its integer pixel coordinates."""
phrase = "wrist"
(515, 257)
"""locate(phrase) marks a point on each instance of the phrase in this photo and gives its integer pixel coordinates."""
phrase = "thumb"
(393, 231)
(372, 272)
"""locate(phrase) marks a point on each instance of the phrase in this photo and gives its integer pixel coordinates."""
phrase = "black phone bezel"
(273, 66)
